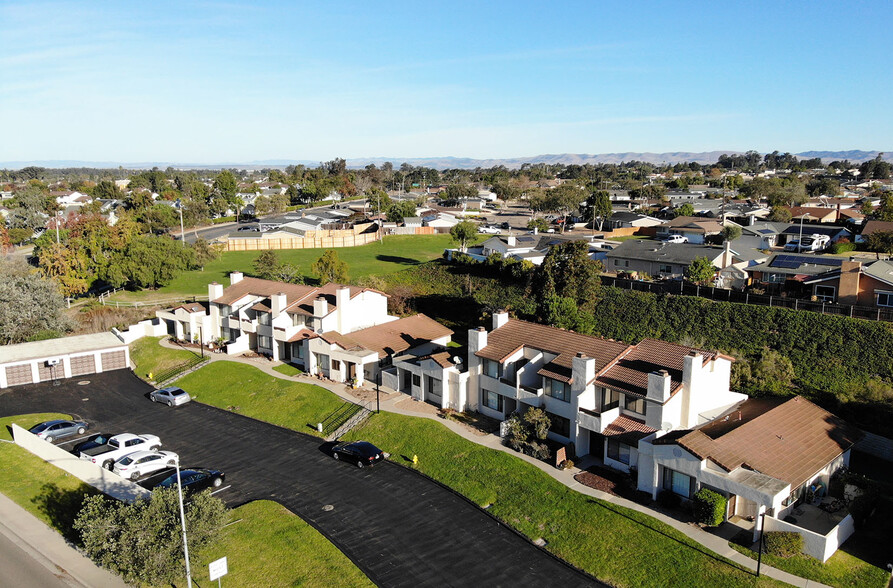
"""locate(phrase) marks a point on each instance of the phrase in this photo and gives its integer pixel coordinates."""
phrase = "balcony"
(595, 421)
(248, 326)
(233, 323)
(529, 393)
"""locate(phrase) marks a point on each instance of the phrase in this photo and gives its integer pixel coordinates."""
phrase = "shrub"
(526, 433)
(843, 247)
(709, 507)
(862, 507)
(669, 499)
(783, 543)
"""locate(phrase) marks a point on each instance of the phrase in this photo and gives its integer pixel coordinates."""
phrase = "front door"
(596, 445)
(407, 381)
(351, 371)
(733, 501)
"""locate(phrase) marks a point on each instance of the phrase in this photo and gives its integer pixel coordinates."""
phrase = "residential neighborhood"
(471, 295)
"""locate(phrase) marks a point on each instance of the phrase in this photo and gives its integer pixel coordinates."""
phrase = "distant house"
(834, 233)
(412, 221)
(819, 215)
(440, 220)
(874, 226)
(662, 260)
(761, 235)
(695, 229)
(855, 283)
(788, 272)
(625, 220)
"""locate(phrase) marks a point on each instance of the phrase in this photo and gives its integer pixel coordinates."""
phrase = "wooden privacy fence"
(312, 240)
(724, 295)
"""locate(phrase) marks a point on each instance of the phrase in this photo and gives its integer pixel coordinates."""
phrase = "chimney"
(342, 302)
(583, 372)
(215, 291)
(659, 386)
(848, 287)
(277, 303)
(511, 241)
(726, 255)
(320, 307)
(235, 278)
(536, 231)
(499, 319)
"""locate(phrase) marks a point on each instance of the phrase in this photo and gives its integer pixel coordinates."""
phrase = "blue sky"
(237, 82)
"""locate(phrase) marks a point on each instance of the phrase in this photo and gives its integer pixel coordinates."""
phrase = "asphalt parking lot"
(399, 527)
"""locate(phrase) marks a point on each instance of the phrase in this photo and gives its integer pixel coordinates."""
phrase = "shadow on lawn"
(397, 259)
(699, 549)
(61, 507)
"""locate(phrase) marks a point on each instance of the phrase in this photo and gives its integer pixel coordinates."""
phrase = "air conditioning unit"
(54, 361)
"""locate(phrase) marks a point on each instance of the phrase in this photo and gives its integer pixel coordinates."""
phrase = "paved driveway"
(400, 528)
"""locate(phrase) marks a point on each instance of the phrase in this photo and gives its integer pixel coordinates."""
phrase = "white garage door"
(47, 373)
(113, 360)
(18, 374)
(84, 364)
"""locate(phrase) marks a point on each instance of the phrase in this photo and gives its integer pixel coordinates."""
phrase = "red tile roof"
(299, 298)
(393, 337)
(301, 335)
(629, 373)
(790, 442)
(627, 429)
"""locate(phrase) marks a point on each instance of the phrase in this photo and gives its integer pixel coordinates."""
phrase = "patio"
(819, 519)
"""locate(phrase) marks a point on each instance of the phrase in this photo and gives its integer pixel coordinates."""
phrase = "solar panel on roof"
(765, 231)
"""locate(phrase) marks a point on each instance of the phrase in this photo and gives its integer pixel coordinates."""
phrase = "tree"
(400, 210)
(567, 272)
(598, 208)
(731, 232)
(29, 303)
(68, 266)
(700, 271)
(142, 541)
(540, 224)
(266, 264)
(885, 210)
(773, 372)
(5, 241)
(463, 233)
(329, 268)
(106, 190)
(880, 242)
(204, 252)
(149, 261)
(780, 214)
(685, 210)
(526, 433)
(460, 192)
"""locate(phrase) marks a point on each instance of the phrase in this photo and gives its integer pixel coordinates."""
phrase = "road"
(25, 568)
(397, 526)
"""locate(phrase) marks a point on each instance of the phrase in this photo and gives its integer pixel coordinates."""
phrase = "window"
(665, 269)
(263, 318)
(265, 342)
(610, 399)
(678, 483)
(416, 380)
(618, 451)
(297, 350)
(776, 278)
(825, 293)
(560, 425)
(491, 400)
(492, 368)
(884, 298)
(225, 333)
(556, 389)
(322, 360)
(635, 404)
(336, 365)
(297, 320)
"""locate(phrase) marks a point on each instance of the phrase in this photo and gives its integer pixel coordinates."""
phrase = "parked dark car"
(92, 441)
(58, 429)
(193, 479)
(505, 225)
(362, 453)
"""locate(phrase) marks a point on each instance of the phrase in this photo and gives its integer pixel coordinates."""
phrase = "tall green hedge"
(709, 507)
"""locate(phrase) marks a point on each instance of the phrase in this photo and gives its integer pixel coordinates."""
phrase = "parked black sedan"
(91, 442)
(362, 453)
(58, 429)
(192, 479)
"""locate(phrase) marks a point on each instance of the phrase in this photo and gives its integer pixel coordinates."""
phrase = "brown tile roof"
(627, 429)
(694, 223)
(441, 358)
(875, 226)
(301, 335)
(265, 288)
(304, 306)
(516, 334)
(629, 373)
(393, 337)
(790, 442)
(192, 307)
(813, 211)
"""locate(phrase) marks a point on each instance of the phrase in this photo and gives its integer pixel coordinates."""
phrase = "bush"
(526, 433)
(709, 507)
(223, 219)
(668, 499)
(783, 543)
(862, 507)
(843, 247)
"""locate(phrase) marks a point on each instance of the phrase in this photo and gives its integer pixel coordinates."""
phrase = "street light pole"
(183, 524)
(182, 232)
(201, 341)
(58, 214)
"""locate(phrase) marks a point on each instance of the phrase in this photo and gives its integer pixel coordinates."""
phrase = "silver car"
(171, 396)
(58, 429)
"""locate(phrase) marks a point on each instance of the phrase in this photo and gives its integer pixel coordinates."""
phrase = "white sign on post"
(217, 569)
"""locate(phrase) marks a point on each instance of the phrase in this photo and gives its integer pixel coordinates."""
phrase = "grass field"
(623, 547)
(286, 369)
(151, 358)
(395, 253)
(273, 547)
(249, 391)
(842, 569)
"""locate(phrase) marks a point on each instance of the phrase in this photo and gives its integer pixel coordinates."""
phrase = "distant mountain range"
(705, 157)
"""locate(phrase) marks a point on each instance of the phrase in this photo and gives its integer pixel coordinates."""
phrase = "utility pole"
(58, 214)
(182, 232)
(183, 524)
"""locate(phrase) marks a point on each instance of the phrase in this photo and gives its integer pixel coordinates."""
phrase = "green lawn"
(288, 369)
(273, 547)
(841, 569)
(620, 546)
(395, 253)
(151, 358)
(249, 391)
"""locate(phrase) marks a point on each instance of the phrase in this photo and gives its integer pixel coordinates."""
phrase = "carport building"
(65, 357)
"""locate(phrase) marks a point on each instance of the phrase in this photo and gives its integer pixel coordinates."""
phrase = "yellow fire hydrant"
(415, 460)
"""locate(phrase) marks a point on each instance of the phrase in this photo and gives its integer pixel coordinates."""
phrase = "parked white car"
(676, 239)
(120, 446)
(138, 464)
(488, 230)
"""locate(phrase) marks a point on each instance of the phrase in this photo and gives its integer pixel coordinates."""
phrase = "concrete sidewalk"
(716, 544)
(49, 549)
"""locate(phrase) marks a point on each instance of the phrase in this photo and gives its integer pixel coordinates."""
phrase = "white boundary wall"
(818, 546)
(95, 475)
